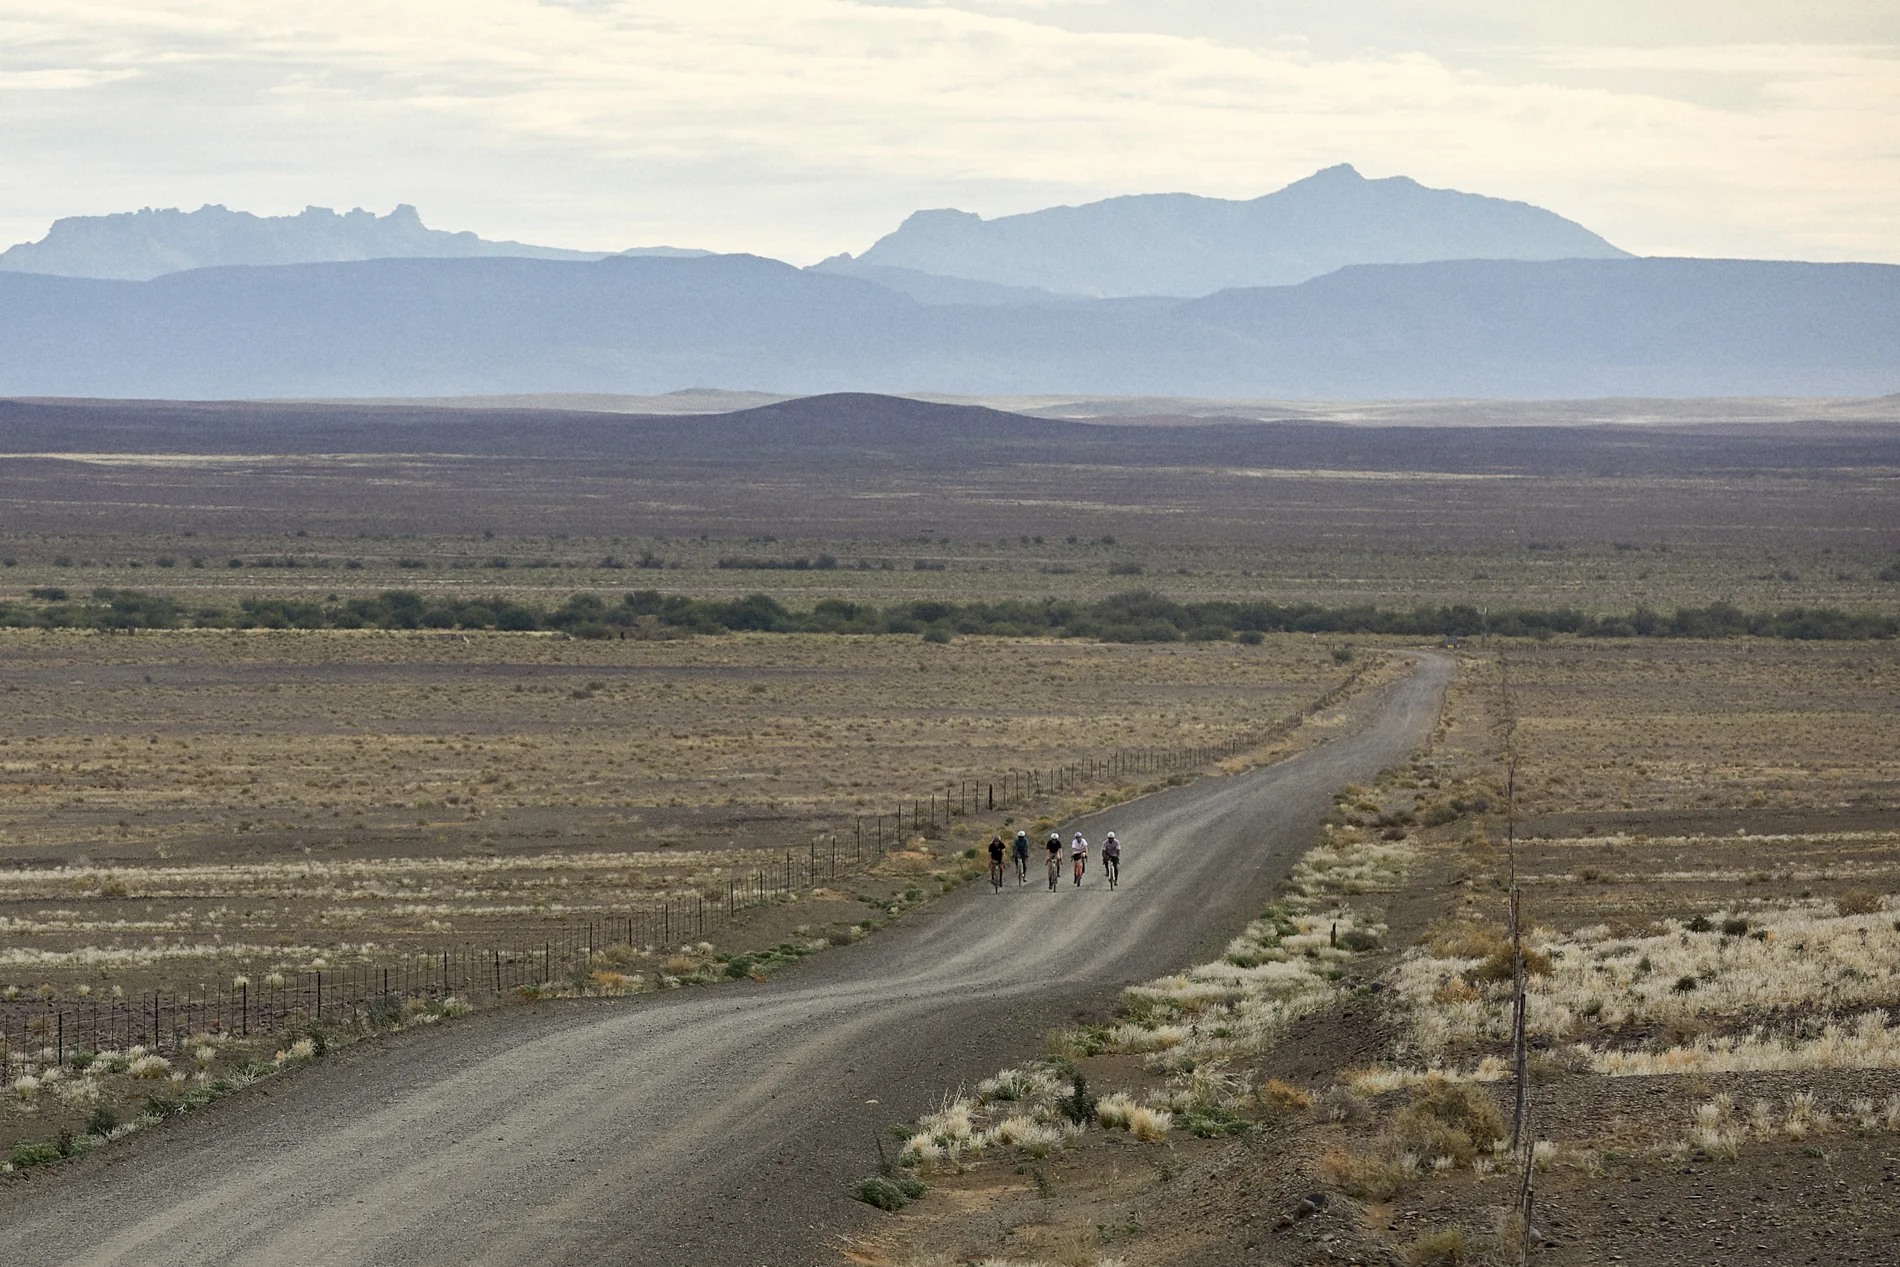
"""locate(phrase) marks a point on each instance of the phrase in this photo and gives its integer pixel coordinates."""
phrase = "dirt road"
(708, 1127)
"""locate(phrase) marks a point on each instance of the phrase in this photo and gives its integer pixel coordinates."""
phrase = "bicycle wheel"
(1054, 871)
(996, 876)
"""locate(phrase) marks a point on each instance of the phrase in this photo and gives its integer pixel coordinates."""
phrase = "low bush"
(29, 1153)
(1367, 1176)
(1449, 1119)
(1212, 1122)
(1280, 1099)
(1444, 1248)
(888, 1192)
(1078, 1106)
(1858, 902)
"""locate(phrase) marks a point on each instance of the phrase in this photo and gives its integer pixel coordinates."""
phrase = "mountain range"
(1147, 244)
(1181, 244)
(430, 327)
(1334, 287)
(139, 245)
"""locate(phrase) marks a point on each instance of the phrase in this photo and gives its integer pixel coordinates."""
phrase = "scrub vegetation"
(1705, 844)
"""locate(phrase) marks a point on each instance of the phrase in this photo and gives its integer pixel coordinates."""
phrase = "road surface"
(715, 1127)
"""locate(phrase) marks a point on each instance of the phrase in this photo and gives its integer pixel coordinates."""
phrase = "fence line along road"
(165, 1020)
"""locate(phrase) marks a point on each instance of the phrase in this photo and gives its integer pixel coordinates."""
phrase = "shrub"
(1449, 1119)
(1078, 1106)
(27, 1153)
(1146, 1123)
(1212, 1122)
(1363, 1175)
(1114, 1111)
(1443, 1248)
(1359, 939)
(888, 1192)
(1341, 1105)
(1858, 902)
(1281, 1099)
(1497, 966)
(149, 1067)
(103, 1121)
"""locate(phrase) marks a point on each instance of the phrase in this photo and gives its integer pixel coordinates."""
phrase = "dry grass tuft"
(1368, 1176)
(1281, 1099)
(1445, 1247)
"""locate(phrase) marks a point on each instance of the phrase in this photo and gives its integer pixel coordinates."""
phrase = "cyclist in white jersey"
(1079, 851)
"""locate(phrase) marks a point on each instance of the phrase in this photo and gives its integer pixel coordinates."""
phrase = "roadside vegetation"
(1709, 871)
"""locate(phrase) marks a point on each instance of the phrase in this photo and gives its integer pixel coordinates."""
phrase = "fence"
(283, 1002)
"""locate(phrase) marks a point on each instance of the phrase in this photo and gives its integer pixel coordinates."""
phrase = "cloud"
(801, 127)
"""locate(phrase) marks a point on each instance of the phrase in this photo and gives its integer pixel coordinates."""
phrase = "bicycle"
(1055, 871)
(996, 874)
(1022, 869)
(1112, 868)
(1081, 865)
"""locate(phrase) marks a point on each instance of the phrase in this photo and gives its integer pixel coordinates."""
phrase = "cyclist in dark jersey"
(996, 862)
(1112, 859)
(1054, 846)
(1020, 848)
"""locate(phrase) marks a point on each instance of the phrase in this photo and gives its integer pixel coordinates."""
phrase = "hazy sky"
(798, 128)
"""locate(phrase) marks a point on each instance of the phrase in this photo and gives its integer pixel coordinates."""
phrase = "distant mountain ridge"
(140, 245)
(435, 327)
(1187, 245)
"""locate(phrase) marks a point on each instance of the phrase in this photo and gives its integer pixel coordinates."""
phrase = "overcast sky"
(799, 128)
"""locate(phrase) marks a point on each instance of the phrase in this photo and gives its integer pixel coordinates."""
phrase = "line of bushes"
(1138, 616)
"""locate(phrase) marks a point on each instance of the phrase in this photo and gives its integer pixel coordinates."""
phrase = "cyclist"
(1054, 846)
(1020, 848)
(1111, 859)
(996, 862)
(1079, 850)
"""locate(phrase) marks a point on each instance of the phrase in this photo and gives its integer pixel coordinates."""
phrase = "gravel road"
(707, 1127)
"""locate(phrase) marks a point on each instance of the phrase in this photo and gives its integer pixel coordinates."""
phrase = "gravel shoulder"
(717, 1126)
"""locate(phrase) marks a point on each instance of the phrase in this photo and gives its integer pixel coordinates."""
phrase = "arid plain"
(1705, 827)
